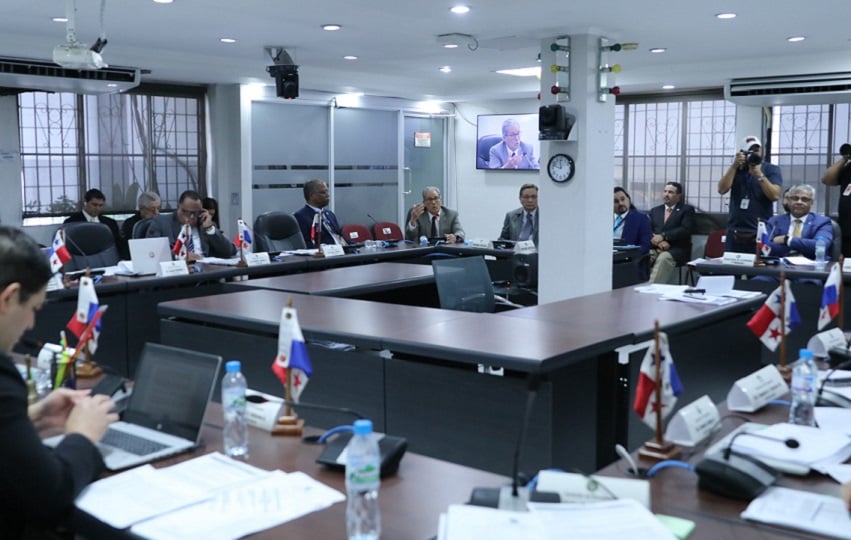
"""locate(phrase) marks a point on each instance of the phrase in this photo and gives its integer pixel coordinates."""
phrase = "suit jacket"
(37, 484)
(499, 154)
(305, 223)
(127, 226)
(514, 223)
(120, 242)
(813, 227)
(213, 245)
(677, 230)
(447, 224)
(636, 230)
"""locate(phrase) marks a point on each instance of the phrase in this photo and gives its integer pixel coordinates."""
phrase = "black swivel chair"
(483, 147)
(140, 229)
(91, 245)
(464, 284)
(277, 231)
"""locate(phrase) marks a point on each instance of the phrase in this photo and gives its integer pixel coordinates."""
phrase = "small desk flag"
(59, 254)
(765, 323)
(830, 297)
(645, 392)
(762, 239)
(181, 245)
(243, 237)
(292, 354)
(87, 308)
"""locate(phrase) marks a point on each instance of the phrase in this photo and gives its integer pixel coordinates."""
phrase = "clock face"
(561, 168)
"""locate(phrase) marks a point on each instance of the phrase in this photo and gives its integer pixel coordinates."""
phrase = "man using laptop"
(205, 240)
(522, 223)
(38, 484)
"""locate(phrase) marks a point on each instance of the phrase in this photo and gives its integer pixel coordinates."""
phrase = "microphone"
(76, 246)
(790, 442)
(843, 401)
(255, 398)
(372, 218)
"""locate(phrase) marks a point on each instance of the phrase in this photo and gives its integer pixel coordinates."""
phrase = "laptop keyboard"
(131, 443)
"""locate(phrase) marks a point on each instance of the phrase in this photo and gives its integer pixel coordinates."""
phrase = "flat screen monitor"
(519, 149)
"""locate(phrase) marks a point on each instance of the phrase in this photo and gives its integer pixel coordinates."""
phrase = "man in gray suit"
(512, 153)
(433, 220)
(522, 223)
(206, 240)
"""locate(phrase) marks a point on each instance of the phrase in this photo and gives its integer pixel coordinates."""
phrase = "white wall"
(11, 206)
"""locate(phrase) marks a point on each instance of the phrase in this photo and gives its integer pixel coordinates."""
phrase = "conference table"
(415, 371)
(411, 501)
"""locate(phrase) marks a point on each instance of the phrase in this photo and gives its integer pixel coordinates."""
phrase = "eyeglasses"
(513, 134)
(190, 213)
(432, 199)
(795, 198)
(529, 197)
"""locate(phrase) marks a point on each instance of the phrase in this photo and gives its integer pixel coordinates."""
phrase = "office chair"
(91, 245)
(387, 230)
(140, 229)
(836, 245)
(277, 231)
(483, 147)
(715, 244)
(464, 284)
(356, 234)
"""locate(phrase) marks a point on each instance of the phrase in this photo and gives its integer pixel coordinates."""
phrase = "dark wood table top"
(716, 267)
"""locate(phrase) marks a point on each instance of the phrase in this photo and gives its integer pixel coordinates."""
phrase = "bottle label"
(366, 477)
(234, 399)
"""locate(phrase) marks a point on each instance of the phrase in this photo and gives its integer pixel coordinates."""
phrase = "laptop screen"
(171, 390)
(148, 253)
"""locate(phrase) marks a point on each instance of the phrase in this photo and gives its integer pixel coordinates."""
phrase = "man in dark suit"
(522, 223)
(93, 202)
(631, 226)
(39, 484)
(317, 196)
(797, 231)
(672, 223)
(149, 206)
(433, 220)
(206, 240)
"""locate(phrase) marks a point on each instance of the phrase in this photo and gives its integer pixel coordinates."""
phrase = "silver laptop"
(147, 254)
(165, 411)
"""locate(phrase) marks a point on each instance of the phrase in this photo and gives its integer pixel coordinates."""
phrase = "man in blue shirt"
(753, 185)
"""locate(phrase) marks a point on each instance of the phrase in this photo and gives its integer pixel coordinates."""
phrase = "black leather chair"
(140, 229)
(91, 245)
(483, 147)
(277, 231)
(464, 284)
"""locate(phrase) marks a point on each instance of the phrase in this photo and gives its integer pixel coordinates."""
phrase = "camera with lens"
(751, 158)
(845, 151)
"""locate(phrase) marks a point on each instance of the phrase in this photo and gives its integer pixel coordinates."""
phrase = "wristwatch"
(763, 177)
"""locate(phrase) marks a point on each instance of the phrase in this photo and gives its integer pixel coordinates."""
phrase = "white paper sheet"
(802, 510)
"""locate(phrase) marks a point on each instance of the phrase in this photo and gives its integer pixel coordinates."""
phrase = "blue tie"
(526, 231)
(618, 221)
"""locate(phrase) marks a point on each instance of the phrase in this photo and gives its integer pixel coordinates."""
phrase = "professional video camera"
(845, 151)
(752, 158)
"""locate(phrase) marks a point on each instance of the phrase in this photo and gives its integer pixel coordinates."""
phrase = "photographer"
(839, 174)
(754, 185)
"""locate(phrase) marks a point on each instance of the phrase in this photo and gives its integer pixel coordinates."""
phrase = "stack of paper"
(801, 445)
(801, 510)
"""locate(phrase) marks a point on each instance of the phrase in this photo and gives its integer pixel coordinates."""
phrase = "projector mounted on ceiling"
(74, 55)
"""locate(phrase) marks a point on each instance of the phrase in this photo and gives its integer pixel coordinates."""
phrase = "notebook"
(147, 254)
(165, 410)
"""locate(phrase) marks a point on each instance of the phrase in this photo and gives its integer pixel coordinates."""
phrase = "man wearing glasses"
(433, 220)
(797, 231)
(512, 153)
(522, 223)
(202, 237)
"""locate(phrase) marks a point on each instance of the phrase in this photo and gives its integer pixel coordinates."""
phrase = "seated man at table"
(631, 226)
(795, 233)
(433, 220)
(204, 240)
(93, 202)
(317, 197)
(671, 222)
(149, 206)
(522, 223)
(39, 484)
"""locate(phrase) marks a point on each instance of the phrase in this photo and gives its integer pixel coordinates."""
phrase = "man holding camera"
(839, 174)
(754, 185)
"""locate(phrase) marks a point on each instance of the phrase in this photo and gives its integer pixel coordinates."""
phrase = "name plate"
(754, 391)
(694, 423)
(579, 488)
(173, 268)
(525, 246)
(46, 356)
(846, 265)
(257, 259)
(332, 250)
(738, 259)
(262, 410)
(55, 283)
(822, 342)
(480, 243)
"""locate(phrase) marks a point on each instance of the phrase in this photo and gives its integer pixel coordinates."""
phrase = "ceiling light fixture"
(59, 19)
(668, 87)
(460, 9)
(227, 40)
(350, 57)
(522, 72)
(795, 39)
(453, 41)
(331, 27)
(163, 1)
(658, 50)
(725, 15)
(446, 69)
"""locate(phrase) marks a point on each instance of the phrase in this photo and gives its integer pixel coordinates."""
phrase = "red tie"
(434, 226)
(667, 214)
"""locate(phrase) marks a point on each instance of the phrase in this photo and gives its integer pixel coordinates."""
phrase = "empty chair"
(277, 231)
(387, 230)
(835, 250)
(715, 244)
(464, 284)
(140, 229)
(356, 234)
(91, 245)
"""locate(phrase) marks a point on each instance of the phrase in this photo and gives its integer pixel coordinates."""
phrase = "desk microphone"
(255, 398)
(74, 244)
(835, 400)
(372, 218)
(790, 442)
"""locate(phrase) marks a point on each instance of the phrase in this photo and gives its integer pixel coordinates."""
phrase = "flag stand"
(785, 370)
(239, 235)
(289, 424)
(88, 368)
(318, 240)
(658, 447)
(840, 316)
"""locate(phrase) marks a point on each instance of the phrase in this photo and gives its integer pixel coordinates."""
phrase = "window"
(122, 144)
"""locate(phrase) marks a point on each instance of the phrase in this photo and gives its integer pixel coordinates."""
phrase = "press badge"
(847, 191)
(745, 203)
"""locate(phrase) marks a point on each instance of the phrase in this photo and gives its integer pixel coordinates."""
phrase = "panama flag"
(243, 237)
(87, 307)
(830, 297)
(292, 354)
(180, 245)
(315, 234)
(765, 323)
(763, 239)
(59, 254)
(645, 392)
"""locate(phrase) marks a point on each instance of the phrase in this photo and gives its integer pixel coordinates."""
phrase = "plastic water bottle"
(804, 376)
(423, 240)
(233, 404)
(363, 470)
(821, 247)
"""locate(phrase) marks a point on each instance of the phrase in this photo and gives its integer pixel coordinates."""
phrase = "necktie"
(434, 226)
(796, 229)
(667, 213)
(618, 221)
(526, 231)
(190, 244)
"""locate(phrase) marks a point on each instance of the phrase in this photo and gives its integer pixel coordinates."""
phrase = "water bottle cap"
(363, 427)
(805, 353)
(820, 238)
(233, 366)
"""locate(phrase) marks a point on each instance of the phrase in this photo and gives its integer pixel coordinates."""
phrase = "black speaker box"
(554, 123)
(524, 270)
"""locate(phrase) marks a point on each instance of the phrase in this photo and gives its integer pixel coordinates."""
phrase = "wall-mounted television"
(508, 141)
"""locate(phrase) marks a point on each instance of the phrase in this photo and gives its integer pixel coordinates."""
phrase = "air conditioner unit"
(790, 89)
(42, 75)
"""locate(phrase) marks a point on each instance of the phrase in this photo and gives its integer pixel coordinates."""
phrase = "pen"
(695, 291)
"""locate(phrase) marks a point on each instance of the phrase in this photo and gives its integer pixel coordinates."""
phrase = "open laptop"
(147, 254)
(165, 410)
